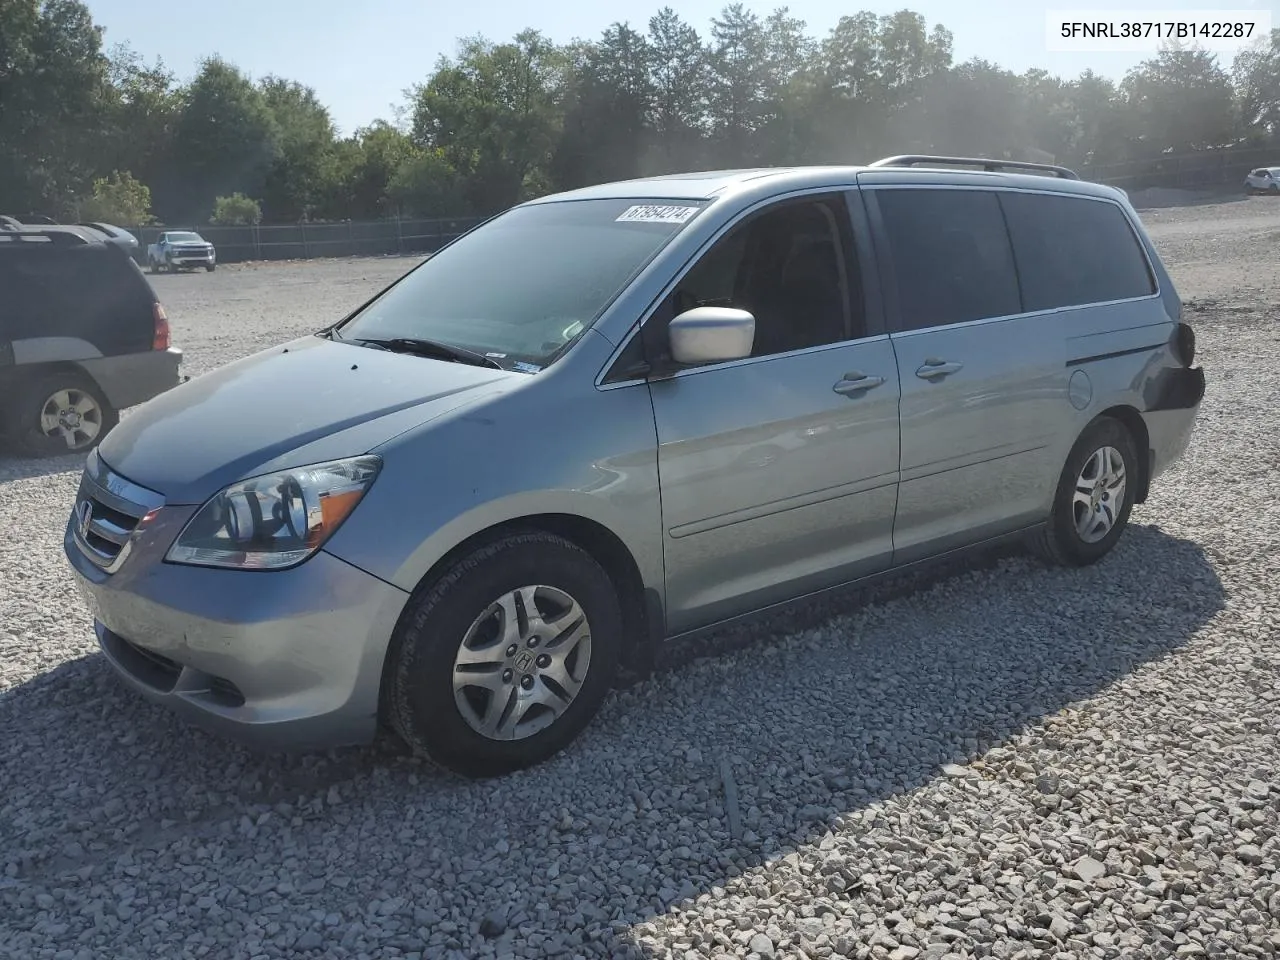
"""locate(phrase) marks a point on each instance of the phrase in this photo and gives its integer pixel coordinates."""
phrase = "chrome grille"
(108, 510)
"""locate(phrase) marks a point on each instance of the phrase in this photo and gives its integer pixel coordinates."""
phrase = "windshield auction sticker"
(649, 213)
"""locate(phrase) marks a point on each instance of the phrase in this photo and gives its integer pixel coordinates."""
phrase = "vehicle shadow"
(864, 700)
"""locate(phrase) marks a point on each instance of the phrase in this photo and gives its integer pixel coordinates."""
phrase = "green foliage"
(296, 179)
(226, 139)
(498, 122)
(118, 199)
(53, 93)
(236, 210)
(426, 185)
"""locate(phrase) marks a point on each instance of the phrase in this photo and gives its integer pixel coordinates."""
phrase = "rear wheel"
(505, 659)
(61, 413)
(1094, 496)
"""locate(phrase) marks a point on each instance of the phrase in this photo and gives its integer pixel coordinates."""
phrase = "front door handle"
(855, 382)
(934, 369)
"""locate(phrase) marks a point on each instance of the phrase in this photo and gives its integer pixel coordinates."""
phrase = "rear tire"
(1094, 497)
(59, 414)
(484, 685)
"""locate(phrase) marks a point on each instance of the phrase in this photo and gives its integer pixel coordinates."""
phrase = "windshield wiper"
(431, 348)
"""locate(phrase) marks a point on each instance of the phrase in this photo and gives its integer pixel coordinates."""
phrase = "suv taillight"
(1184, 344)
(161, 339)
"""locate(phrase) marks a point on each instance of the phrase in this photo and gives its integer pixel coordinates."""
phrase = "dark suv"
(82, 336)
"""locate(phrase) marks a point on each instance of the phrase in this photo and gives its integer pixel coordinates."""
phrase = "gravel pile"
(1011, 762)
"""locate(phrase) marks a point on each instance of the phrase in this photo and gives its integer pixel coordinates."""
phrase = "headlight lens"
(275, 521)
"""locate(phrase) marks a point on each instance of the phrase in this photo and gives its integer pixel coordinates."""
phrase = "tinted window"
(951, 256)
(787, 267)
(1072, 251)
(527, 283)
(93, 292)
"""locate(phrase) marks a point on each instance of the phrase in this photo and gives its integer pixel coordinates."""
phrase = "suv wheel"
(1094, 497)
(505, 659)
(61, 413)
(152, 265)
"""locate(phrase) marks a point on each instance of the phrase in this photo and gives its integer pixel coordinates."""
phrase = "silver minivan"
(619, 415)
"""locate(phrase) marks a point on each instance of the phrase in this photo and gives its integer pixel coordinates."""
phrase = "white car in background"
(1263, 180)
(180, 249)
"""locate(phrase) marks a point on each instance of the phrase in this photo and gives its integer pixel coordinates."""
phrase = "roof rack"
(992, 166)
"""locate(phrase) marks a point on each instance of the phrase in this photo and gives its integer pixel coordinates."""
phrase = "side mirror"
(711, 335)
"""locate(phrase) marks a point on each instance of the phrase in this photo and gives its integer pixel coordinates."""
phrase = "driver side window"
(791, 265)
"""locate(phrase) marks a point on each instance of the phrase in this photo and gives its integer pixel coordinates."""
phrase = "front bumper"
(287, 659)
(192, 258)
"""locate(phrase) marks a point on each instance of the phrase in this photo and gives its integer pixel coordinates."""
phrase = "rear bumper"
(1170, 421)
(133, 378)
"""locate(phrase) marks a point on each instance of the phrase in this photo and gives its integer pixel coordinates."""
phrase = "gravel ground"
(1009, 762)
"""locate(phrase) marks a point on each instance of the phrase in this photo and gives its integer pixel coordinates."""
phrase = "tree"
(142, 111)
(739, 79)
(426, 185)
(381, 151)
(1256, 72)
(605, 130)
(118, 199)
(236, 210)
(305, 140)
(1180, 100)
(496, 112)
(226, 139)
(678, 78)
(53, 87)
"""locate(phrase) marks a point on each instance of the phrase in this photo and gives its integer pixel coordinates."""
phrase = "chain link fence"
(305, 241)
(1204, 170)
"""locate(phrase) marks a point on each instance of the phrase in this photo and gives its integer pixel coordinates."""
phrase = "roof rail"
(914, 160)
(57, 235)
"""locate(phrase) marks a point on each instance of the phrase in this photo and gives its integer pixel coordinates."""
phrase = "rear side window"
(951, 256)
(1073, 251)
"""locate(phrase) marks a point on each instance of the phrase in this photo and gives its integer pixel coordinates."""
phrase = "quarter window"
(951, 256)
(1074, 250)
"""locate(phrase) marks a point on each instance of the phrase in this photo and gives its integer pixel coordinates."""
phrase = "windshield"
(185, 238)
(520, 288)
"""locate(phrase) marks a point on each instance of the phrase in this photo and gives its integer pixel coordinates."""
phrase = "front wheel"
(210, 267)
(505, 659)
(61, 413)
(1094, 497)
(152, 265)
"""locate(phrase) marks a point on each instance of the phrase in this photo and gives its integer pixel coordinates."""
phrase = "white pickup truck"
(179, 249)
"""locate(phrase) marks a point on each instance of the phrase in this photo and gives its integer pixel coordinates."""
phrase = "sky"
(361, 56)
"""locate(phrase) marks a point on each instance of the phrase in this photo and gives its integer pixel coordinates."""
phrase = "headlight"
(277, 520)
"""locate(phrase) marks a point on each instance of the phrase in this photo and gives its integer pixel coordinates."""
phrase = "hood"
(303, 402)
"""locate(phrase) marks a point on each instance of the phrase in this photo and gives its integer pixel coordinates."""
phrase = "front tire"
(1094, 497)
(210, 267)
(61, 413)
(501, 662)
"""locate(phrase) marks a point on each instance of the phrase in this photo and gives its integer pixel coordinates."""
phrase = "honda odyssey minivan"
(615, 416)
